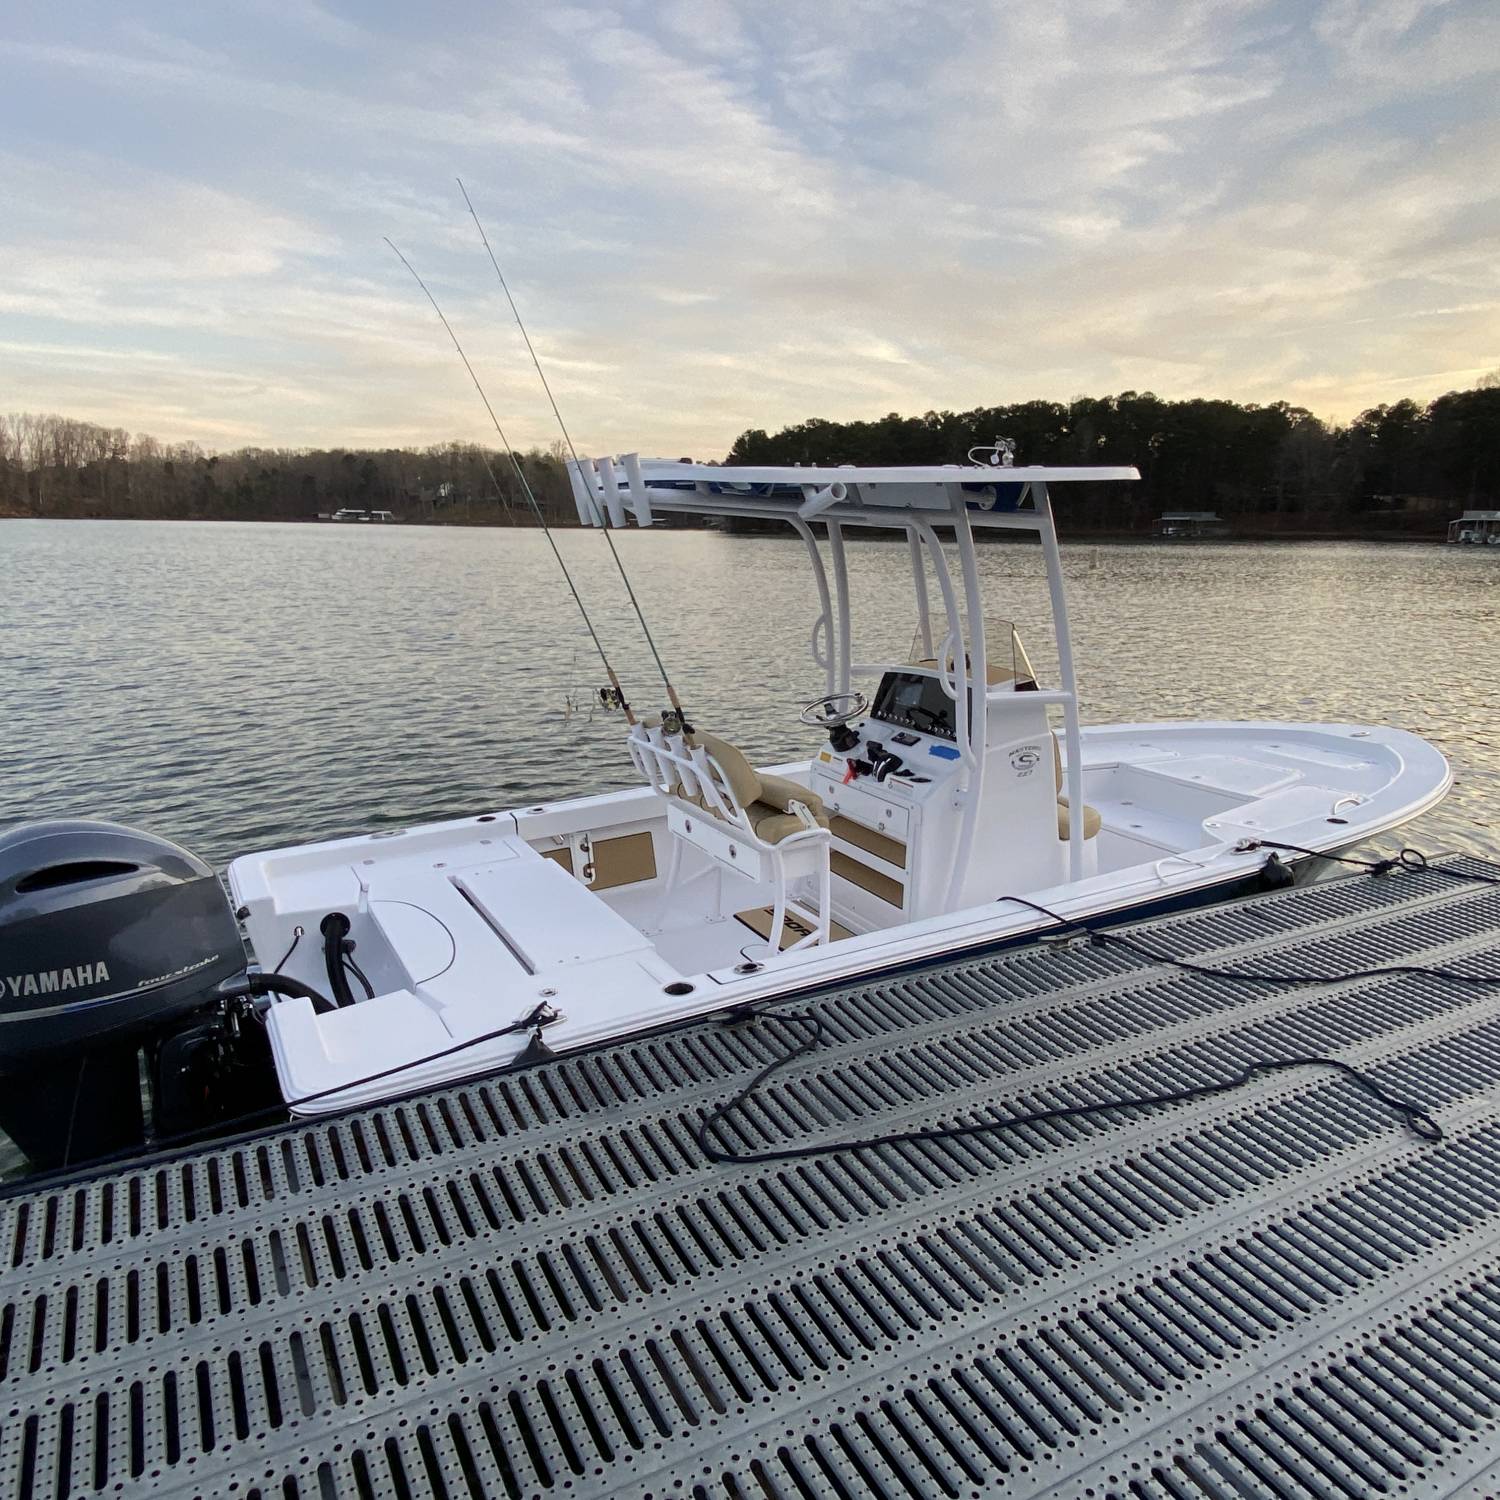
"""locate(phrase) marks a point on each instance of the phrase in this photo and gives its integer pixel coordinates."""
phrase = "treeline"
(1274, 468)
(1270, 468)
(57, 466)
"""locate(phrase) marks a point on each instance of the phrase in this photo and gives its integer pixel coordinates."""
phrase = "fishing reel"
(611, 698)
(673, 722)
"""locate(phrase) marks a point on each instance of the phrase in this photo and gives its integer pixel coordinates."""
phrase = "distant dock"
(537, 1284)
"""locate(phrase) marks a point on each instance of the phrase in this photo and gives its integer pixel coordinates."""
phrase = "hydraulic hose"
(276, 984)
(335, 928)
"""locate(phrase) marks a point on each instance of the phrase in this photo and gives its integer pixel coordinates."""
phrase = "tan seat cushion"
(1091, 820)
(765, 799)
(743, 781)
(772, 825)
(781, 792)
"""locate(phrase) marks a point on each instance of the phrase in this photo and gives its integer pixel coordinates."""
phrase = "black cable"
(541, 1015)
(1105, 939)
(1420, 1122)
(355, 969)
(296, 938)
(1403, 859)
(537, 1017)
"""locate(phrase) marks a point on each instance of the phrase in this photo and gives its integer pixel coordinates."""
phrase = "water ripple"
(238, 686)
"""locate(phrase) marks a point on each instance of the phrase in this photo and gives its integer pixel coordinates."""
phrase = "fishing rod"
(614, 695)
(577, 463)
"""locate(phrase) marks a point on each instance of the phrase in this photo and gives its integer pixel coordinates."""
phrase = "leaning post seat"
(764, 827)
(1092, 822)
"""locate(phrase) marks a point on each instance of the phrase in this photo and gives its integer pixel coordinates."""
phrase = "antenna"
(618, 691)
(563, 427)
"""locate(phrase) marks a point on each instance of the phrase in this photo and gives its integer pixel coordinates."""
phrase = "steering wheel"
(834, 710)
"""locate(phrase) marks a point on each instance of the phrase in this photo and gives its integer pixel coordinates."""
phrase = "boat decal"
(100, 973)
(51, 981)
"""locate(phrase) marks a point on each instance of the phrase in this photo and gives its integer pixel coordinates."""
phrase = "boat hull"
(468, 928)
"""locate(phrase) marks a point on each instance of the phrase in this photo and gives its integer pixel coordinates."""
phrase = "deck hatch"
(515, 1286)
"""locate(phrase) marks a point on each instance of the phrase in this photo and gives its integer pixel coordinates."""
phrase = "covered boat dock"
(1476, 527)
(1190, 525)
(539, 1284)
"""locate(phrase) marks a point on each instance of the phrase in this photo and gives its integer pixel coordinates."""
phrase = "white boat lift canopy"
(922, 501)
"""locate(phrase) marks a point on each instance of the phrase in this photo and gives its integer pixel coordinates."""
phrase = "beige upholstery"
(781, 793)
(771, 825)
(743, 783)
(1092, 822)
(775, 829)
(766, 800)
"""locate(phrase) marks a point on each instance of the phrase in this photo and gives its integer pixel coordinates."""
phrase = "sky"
(719, 215)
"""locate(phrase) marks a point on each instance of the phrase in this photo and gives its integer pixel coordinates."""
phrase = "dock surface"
(537, 1285)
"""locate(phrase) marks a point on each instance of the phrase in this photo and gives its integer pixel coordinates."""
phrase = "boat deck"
(537, 1285)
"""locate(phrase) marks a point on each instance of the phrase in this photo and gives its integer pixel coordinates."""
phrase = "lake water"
(239, 686)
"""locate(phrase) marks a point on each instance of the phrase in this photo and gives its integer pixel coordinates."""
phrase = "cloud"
(1433, 43)
(719, 215)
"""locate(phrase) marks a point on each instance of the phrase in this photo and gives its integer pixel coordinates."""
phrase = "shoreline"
(1072, 534)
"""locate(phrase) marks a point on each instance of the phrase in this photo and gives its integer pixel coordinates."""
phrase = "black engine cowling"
(107, 937)
(103, 930)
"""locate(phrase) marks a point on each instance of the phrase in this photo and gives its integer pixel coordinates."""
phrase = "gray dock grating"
(536, 1285)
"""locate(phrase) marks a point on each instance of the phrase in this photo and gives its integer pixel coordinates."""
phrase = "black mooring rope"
(1416, 1118)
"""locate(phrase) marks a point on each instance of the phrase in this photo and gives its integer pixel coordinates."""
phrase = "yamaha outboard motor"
(109, 940)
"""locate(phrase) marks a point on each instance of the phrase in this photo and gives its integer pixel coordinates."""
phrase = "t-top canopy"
(605, 489)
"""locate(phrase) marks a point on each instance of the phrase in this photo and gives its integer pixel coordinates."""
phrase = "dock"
(537, 1284)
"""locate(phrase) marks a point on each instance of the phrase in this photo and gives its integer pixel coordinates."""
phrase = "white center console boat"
(941, 787)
